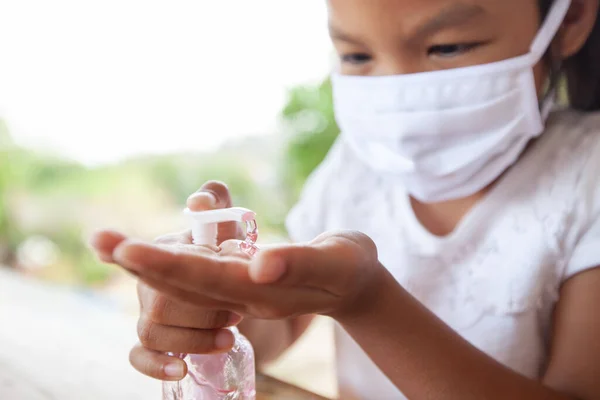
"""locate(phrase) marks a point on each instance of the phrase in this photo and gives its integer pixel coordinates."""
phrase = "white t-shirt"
(496, 278)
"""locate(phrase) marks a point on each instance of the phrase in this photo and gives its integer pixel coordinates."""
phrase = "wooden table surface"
(14, 386)
(272, 389)
(57, 344)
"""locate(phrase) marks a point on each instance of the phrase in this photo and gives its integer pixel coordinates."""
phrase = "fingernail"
(105, 258)
(234, 319)
(201, 201)
(224, 340)
(92, 240)
(268, 270)
(119, 253)
(174, 370)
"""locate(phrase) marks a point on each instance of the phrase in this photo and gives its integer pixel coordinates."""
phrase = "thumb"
(215, 195)
(330, 262)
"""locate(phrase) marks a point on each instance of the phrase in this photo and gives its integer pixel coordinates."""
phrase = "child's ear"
(578, 26)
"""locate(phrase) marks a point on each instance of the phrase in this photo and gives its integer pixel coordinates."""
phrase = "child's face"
(391, 37)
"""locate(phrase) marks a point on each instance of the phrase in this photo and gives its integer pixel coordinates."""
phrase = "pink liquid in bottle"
(226, 376)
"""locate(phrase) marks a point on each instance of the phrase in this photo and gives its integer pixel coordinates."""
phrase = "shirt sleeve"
(308, 218)
(586, 253)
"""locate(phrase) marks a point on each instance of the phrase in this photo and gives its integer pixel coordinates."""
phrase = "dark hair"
(582, 70)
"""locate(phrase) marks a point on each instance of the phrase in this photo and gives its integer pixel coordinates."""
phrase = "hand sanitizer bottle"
(226, 376)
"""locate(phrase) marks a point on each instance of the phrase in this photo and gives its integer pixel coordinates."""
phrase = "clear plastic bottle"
(225, 376)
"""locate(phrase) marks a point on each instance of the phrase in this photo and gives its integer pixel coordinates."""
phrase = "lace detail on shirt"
(509, 263)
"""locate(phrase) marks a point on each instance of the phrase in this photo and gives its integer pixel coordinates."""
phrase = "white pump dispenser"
(204, 223)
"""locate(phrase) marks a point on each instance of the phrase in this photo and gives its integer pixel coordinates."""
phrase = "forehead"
(409, 14)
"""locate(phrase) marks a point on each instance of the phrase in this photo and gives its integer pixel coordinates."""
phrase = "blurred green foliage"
(310, 120)
(66, 200)
(12, 162)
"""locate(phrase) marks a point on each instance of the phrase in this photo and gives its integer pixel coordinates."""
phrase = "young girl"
(475, 275)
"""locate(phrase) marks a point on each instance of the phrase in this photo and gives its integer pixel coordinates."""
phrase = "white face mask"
(447, 134)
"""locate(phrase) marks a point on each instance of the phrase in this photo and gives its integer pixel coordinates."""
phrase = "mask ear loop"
(550, 27)
(552, 90)
(551, 93)
(549, 32)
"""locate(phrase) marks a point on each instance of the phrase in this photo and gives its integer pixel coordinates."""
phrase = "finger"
(219, 197)
(179, 238)
(330, 263)
(227, 286)
(104, 243)
(262, 302)
(131, 252)
(183, 241)
(214, 195)
(188, 297)
(220, 283)
(191, 271)
(183, 340)
(157, 365)
(165, 311)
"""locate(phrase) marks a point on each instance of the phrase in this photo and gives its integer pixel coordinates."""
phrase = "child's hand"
(337, 274)
(168, 325)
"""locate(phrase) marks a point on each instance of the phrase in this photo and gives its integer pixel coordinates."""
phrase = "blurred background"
(112, 112)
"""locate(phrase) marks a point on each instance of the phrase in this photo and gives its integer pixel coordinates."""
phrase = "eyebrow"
(452, 16)
(338, 34)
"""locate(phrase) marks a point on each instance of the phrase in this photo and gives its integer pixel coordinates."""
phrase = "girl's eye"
(451, 50)
(356, 58)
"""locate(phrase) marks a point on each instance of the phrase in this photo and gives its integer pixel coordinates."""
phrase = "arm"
(270, 338)
(338, 275)
(428, 360)
(575, 353)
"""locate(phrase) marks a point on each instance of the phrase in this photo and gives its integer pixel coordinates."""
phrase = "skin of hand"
(338, 275)
(166, 324)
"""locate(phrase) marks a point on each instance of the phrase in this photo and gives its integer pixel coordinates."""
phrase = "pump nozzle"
(204, 223)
